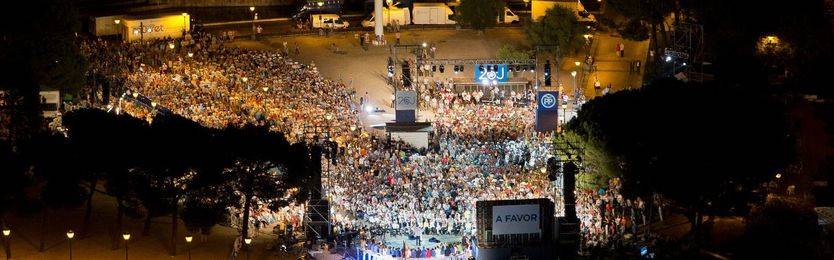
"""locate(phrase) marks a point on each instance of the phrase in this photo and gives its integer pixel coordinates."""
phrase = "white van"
(331, 21)
(509, 17)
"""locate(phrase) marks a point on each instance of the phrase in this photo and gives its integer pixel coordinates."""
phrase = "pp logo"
(548, 101)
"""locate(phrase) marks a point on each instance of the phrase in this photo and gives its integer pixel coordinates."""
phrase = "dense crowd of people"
(607, 218)
(215, 85)
(478, 151)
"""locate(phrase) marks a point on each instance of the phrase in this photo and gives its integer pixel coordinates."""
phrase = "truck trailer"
(432, 13)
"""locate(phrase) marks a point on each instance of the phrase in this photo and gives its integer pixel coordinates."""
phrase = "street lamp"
(6, 237)
(70, 235)
(171, 45)
(577, 63)
(247, 241)
(328, 117)
(190, 54)
(265, 89)
(352, 128)
(126, 237)
(252, 9)
(575, 87)
(188, 245)
(184, 15)
(117, 21)
(425, 44)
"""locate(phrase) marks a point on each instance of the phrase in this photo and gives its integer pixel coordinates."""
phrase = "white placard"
(516, 219)
(406, 100)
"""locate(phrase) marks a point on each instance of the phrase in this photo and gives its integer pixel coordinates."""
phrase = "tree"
(12, 172)
(38, 46)
(179, 146)
(663, 138)
(480, 14)
(508, 52)
(256, 167)
(60, 183)
(91, 135)
(634, 30)
(560, 27)
(782, 229)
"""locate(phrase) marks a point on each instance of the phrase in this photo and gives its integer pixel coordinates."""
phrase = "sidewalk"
(26, 234)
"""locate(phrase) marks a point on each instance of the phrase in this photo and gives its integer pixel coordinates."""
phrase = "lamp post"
(252, 9)
(6, 238)
(70, 235)
(184, 15)
(117, 21)
(188, 245)
(248, 242)
(575, 87)
(126, 237)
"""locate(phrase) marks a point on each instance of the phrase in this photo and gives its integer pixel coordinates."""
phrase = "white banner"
(516, 219)
(406, 100)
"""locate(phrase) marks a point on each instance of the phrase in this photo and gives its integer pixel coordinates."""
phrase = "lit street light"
(252, 9)
(188, 245)
(247, 241)
(184, 15)
(6, 237)
(70, 235)
(126, 237)
(117, 21)
(575, 86)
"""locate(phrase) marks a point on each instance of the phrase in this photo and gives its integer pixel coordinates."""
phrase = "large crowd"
(202, 79)
(478, 151)
(607, 219)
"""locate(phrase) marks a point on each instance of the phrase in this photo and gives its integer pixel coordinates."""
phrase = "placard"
(516, 219)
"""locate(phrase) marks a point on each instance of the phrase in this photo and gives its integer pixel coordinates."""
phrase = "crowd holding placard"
(477, 151)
